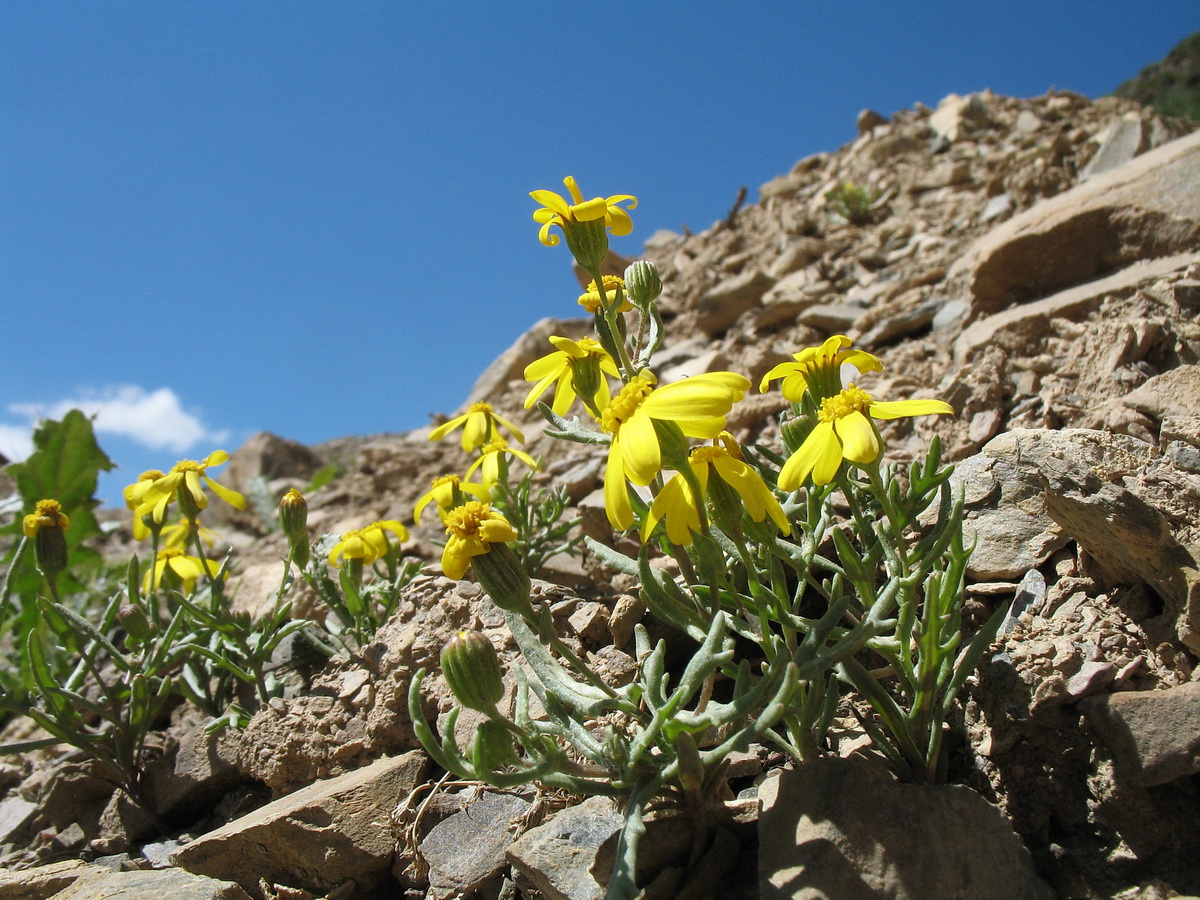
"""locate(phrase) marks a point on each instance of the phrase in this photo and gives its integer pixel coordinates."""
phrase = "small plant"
(759, 560)
(855, 204)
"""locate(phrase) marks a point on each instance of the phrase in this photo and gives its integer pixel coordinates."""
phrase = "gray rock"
(186, 782)
(559, 858)
(836, 829)
(956, 115)
(269, 456)
(46, 881)
(15, 813)
(1154, 736)
(153, 884)
(319, 838)
(1124, 140)
(467, 849)
(1175, 392)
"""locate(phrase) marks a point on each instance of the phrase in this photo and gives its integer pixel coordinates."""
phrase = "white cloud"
(154, 419)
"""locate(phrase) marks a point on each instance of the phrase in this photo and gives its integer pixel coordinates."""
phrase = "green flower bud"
(501, 574)
(46, 525)
(293, 517)
(472, 669)
(133, 619)
(642, 283)
(493, 747)
(673, 445)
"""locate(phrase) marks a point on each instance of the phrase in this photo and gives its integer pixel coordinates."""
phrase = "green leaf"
(64, 466)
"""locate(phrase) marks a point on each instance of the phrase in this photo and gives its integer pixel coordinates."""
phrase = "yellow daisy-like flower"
(557, 211)
(697, 405)
(134, 494)
(368, 544)
(578, 367)
(447, 493)
(470, 530)
(46, 514)
(819, 369)
(174, 559)
(180, 533)
(184, 483)
(676, 504)
(489, 461)
(480, 425)
(845, 431)
(590, 299)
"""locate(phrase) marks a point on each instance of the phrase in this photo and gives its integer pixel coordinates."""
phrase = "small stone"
(869, 120)
(466, 850)
(1091, 678)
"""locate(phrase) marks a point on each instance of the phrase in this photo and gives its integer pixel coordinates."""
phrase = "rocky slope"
(1034, 262)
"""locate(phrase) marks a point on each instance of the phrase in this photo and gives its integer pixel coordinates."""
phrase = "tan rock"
(1147, 208)
(318, 838)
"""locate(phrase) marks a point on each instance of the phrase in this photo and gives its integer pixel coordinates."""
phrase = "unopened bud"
(293, 518)
(642, 283)
(46, 525)
(493, 747)
(501, 574)
(472, 669)
(133, 619)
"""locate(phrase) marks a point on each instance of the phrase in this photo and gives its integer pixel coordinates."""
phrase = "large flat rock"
(1147, 208)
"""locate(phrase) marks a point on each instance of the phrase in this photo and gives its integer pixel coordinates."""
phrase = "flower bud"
(643, 284)
(133, 619)
(472, 669)
(493, 747)
(501, 574)
(293, 517)
(673, 445)
(46, 525)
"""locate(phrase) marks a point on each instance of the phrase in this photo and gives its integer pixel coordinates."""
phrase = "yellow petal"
(801, 463)
(590, 210)
(616, 494)
(830, 459)
(618, 221)
(640, 452)
(896, 409)
(232, 497)
(860, 443)
(446, 427)
(553, 202)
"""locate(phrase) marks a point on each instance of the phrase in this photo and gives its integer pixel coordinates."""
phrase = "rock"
(46, 881)
(1173, 393)
(1124, 140)
(1128, 538)
(869, 120)
(319, 838)
(560, 859)
(153, 884)
(1014, 328)
(721, 305)
(1154, 736)
(1144, 209)
(956, 115)
(842, 828)
(15, 813)
(466, 850)
(185, 783)
(269, 456)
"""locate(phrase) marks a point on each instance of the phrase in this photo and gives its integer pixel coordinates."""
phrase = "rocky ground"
(1034, 262)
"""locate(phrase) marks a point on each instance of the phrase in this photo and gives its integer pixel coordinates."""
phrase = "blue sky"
(313, 218)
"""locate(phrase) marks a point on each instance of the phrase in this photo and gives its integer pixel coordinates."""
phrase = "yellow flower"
(46, 514)
(368, 544)
(180, 533)
(176, 561)
(183, 483)
(134, 494)
(447, 493)
(819, 369)
(845, 431)
(480, 425)
(557, 211)
(576, 367)
(676, 504)
(491, 455)
(471, 529)
(590, 299)
(697, 406)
